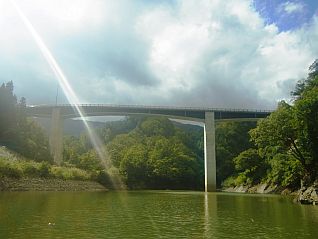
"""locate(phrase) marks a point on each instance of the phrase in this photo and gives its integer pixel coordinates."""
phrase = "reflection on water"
(153, 214)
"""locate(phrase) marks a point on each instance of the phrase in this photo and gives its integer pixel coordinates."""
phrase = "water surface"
(153, 214)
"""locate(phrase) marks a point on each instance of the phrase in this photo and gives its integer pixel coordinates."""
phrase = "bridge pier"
(56, 136)
(209, 152)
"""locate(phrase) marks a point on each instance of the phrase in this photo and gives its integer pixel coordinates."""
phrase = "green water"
(153, 214)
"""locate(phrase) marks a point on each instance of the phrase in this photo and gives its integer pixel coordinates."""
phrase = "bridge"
(208, 116)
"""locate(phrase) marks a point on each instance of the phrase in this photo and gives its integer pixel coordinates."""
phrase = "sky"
(193, 53)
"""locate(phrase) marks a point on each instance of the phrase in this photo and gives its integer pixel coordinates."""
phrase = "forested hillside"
(156, 153)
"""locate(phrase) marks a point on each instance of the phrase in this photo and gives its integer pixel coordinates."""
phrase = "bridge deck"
(69, 111)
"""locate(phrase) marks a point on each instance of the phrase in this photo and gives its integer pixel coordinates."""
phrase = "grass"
(14, 166)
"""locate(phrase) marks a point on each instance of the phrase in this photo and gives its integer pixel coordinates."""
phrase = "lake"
(153, 214)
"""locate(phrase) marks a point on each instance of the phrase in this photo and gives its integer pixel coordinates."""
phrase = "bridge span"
(207, 116)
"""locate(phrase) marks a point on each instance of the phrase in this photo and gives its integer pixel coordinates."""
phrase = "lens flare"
(68, 92)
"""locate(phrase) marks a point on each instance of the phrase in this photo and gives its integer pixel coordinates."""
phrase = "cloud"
(291, 7)
(222, 54)
(186, 53)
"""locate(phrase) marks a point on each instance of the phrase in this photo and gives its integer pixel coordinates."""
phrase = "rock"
(308, 195)
(261, 188)
(46, 184)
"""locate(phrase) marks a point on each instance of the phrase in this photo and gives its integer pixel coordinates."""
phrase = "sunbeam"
(67, 90)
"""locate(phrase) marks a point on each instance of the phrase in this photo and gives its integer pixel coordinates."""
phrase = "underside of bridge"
(207, 116)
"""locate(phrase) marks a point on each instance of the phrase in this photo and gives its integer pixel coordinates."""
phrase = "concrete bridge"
(207, 116)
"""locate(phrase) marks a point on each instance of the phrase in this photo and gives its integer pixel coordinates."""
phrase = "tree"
(306, 111)
(154, 155)
(154, 126)
(250, 167)
(231, 139)
(8, 103)
(285, 170)
(135, 167)
(16, 131)
(173, 165)
(306, 84)
(293, 130)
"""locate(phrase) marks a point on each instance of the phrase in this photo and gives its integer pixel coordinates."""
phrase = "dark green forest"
(157, 153)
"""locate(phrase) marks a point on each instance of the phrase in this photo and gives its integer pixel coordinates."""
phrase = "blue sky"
(209, 53)
(287, 15)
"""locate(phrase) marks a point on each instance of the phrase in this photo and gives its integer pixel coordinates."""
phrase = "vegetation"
(18, 133)
(153, 155)
(154, 152)
(286, 142)
(14, 166)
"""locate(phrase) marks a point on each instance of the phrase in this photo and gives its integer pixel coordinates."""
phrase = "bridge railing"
(159, 107)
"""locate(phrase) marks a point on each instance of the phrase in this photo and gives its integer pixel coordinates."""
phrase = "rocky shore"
(46, 184)
(308, 195)
(305, 195)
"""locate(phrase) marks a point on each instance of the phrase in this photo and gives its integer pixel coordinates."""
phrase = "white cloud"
(291, 7)
(222, 54)
(192, 53)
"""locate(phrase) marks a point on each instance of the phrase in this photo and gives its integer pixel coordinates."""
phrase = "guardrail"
(156, 107)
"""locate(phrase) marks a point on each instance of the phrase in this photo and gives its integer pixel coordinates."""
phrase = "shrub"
(70, 173)
(44, 170)
(229, 182)
(104, 178)
(11, 170)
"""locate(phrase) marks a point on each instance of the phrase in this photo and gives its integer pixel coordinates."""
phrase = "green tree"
(173, 165)
(134, 166)
(306, 84)
(306, 112)
(231, 139)
(293, 131)
(250, 167)
(8, 103)
(16, 131)
(154, 126)
(285, 170)
(154, 155)
(278, 133)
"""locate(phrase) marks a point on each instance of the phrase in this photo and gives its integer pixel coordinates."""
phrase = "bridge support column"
(56, 136)
(209, 152)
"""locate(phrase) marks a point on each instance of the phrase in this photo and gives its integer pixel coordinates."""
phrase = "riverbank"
(305, 195)
(20, 174)
(46, 184)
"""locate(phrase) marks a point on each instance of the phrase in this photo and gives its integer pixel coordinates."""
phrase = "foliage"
(250, 166)
(154, 156)
(112, 129)
(306, 117)
(104, 178)
(307, 84)
(231, 139)
(288, 138)
(286, 141)
(18, 168)
(16, 131)
(285, 171)
(153, 152)
(277, 133)
(8, 103)
(69, 173)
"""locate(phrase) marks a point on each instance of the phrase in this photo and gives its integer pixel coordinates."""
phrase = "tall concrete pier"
(209, 152)
(56, 136)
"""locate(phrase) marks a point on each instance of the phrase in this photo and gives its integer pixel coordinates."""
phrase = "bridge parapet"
(191, 113)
